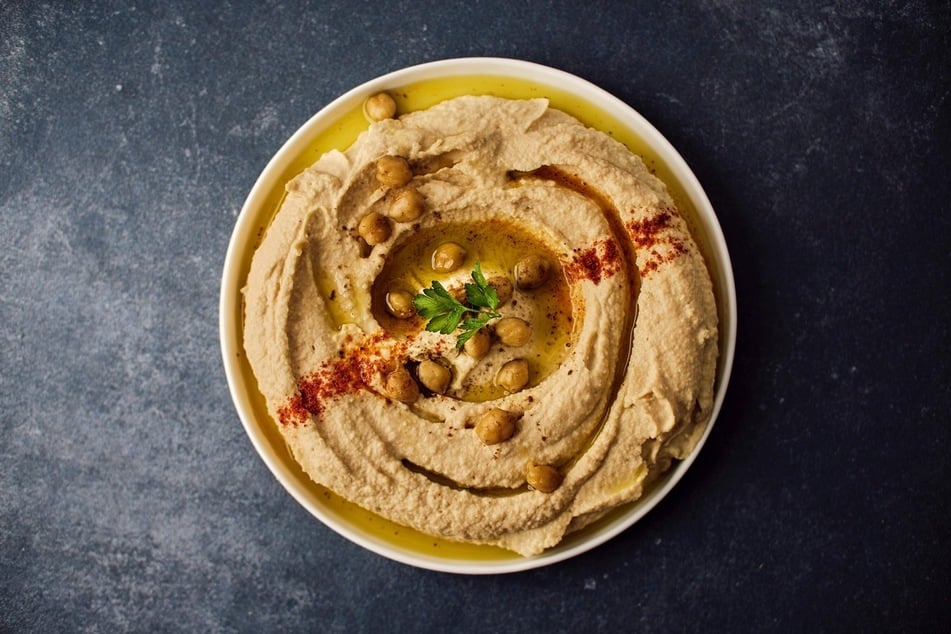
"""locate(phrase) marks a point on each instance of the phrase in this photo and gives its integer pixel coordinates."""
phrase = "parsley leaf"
(481, 294)
(444, 312)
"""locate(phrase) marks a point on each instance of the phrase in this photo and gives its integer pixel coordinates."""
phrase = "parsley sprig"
(445, 312)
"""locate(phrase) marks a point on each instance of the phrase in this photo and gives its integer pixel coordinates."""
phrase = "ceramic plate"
(337, 126)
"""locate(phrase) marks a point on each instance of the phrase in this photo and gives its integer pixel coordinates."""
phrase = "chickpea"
(513, 331)
(495, 426)
(502, 286)
(380, 106)
(400, 304)
(448, 257)
(513, 376)
(478, 345)
(393, 171)
(401, 386)
(374, 228)
(435, 376)
(408, 205)
(544, 478)
(532, 272)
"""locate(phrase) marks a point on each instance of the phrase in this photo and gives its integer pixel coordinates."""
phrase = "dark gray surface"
(131, 499)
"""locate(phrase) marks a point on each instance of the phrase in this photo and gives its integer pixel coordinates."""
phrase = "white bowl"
(337, 125)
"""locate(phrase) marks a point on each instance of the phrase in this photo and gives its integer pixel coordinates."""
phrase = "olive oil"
(497, 246)
(340, 135)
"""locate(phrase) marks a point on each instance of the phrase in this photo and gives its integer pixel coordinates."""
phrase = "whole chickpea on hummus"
(483, 320)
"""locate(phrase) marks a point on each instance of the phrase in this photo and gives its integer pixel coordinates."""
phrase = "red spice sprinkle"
(645, 232)
(597, 262)
(351, 371)
(651, 233)
(293, 413)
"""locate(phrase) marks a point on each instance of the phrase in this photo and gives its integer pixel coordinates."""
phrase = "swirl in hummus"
(602, 373)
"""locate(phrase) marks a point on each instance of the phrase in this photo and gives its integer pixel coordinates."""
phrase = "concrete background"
(130, 497)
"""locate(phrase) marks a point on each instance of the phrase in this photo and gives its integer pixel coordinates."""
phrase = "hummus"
(601, 375)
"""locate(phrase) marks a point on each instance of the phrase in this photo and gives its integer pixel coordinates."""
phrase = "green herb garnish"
(445, 312)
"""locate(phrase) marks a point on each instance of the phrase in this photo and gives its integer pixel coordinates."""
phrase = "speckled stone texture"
(130, 497)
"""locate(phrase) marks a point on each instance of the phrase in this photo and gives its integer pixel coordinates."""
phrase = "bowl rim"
(244, 232)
